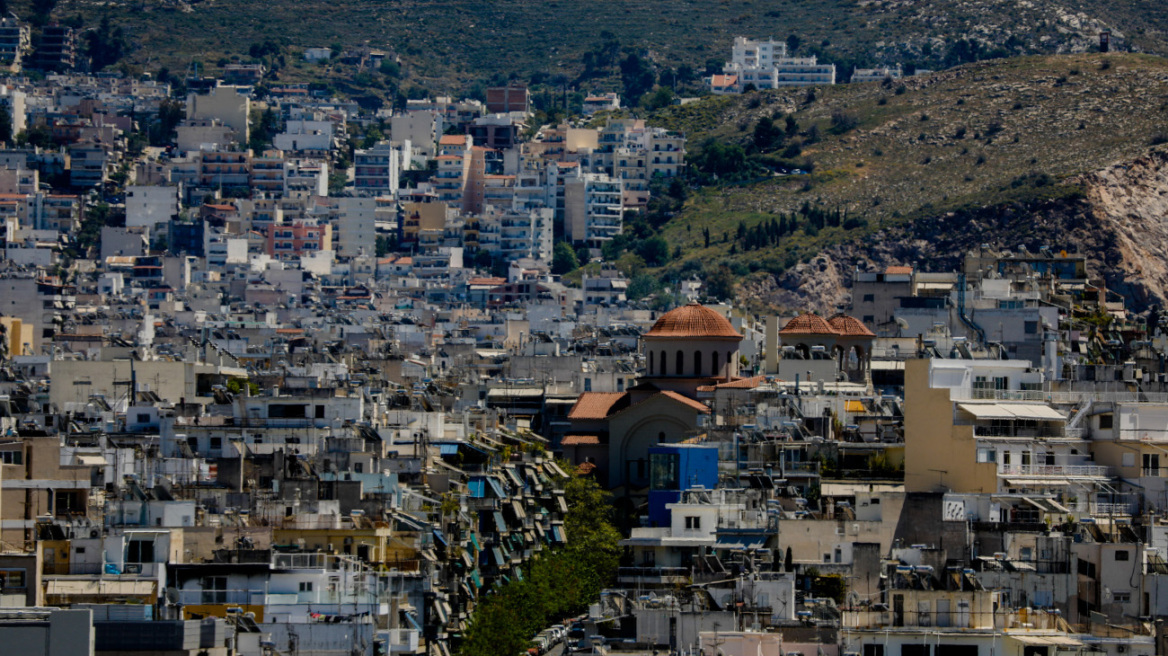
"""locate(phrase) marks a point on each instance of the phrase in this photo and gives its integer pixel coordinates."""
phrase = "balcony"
(1054, 471)
(653, 575)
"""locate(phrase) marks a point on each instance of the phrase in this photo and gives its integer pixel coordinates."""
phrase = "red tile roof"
(580, 440)
(850, 326)
(693, 321)
(742, 383)
(696, 405)
(595, 405)
(894, 270)
(585, 468)
(808, 324)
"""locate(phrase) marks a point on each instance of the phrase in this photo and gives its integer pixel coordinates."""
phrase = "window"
(679, 370)
(987, 455)
(587, 384)
(663, 363)
(1031, 327)
(12, 578)
(214, 589)
(664, 472)
(1151, 464)
(1122, 555)
(693, 522)
(869, 298)
(652, 359)
(697, 363)
(79, 550)
(143, 418)
(140, 551)
(216, 443)
(1129, 460)
(12, 457)
(1121, 597)
(715, 371)
(306, 586)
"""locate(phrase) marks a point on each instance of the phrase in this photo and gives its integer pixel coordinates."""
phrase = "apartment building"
(765, 65)
(299, 238)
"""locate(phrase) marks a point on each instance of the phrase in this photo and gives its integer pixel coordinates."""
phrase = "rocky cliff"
(1119, 221)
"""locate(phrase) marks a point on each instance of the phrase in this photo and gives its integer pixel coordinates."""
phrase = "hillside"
(447, 43)
(997, 140)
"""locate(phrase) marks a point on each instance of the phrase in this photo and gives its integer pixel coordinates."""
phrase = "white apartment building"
(517, 235)
(765, 65)
(377, 170)
(356, 226)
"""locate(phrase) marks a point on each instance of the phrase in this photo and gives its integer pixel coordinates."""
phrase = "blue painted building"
(674, 468)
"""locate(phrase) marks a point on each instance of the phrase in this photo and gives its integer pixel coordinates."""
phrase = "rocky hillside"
(1119, 222)
(1057, 151)
(444, 44)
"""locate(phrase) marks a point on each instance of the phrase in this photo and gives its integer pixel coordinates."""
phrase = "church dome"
(848, 326)
(808, 324)
(693, 321)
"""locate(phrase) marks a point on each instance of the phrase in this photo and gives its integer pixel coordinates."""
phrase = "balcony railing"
(1056, 471)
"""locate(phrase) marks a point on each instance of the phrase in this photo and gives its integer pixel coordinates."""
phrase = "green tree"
(655, 251)
(106, 45)
(640, 286)
(564, 259)
(767, 136)
(559, 583)
(720, 283)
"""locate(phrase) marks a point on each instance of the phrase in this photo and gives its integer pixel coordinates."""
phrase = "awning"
(497, 487)
(517, 508)
(467, 559)
(94, 460)
(986, 410)
(740, 541)
(514, 478)
(1046, 640)
(498, 554)
(500, 525)
(558, 534)
(474, 540)
(562, 503)
(1034, 411)
(412, 620)
(439, 537)
(855, 406)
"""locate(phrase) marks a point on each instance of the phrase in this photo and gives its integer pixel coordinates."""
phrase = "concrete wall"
(64, 633)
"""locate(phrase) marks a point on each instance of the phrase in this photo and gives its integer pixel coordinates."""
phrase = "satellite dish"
(171, 595)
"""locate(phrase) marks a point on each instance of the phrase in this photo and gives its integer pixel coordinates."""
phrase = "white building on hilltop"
(765, 65)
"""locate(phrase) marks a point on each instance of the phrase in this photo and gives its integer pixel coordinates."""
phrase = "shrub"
(1159, 138)
(844, 122)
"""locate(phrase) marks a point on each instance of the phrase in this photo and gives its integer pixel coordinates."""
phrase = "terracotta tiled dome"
(848, 326)
(808, 324)
(693, 321)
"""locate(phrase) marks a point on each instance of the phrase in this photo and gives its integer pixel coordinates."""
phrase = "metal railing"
(1072, 398)
(1053, 470)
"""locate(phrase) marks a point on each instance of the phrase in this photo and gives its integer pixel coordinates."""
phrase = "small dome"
(848, 326)
(693, 321)
(808, 324)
